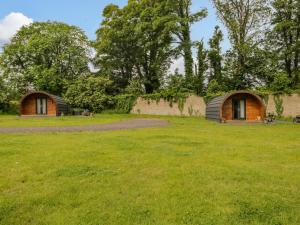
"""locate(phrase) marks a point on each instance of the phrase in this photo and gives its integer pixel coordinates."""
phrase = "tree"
(3, 93)
(214, 89)
(45, 56)
(215, 56)
(89, 93)
(116, 46)
(135, 42)
(185, 18)
(135, 88)
(286, 38)
(281, 83)
(245, 21)
(201, 68)
(176, 83)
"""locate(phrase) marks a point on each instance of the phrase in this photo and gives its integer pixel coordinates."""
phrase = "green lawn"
(16, 121)
(192, 172)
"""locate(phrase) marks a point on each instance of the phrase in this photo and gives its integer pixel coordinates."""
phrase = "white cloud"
(10, 24)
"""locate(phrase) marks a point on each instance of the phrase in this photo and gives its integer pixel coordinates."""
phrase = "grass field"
(192, 172)
(16, 121)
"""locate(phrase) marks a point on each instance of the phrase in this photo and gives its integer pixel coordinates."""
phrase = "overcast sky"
(87, 15)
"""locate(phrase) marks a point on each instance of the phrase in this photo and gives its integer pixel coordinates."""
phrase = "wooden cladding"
(254, 108)
(29, 105)
(237, 105)
(43, 103)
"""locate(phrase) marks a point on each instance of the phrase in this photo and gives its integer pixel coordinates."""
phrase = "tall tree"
(45, 56)
(3, 92)
(154, 32)
(185, 18)
(135, 41)
(201, 68)
(245, 21)
(215, 56)
(286, 37)
(116, 46)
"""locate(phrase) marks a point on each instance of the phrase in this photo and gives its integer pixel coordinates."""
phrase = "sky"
(87, 15)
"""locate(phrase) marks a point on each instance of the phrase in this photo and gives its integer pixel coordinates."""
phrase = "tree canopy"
(286, 38)
(245, 21)
(135, 41)
(45, 56)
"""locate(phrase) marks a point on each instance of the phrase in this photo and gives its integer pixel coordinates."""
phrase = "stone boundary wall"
(290, 103)
(195, 106)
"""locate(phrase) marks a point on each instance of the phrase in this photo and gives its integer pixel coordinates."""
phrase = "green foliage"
(90, 93)
(176, 83)
(201, 69)
(184, 18)
(281, 83)
(278, 105)
(124, 103)
(11, 108)
(3, 94)
(135, 88)
(285, 38)
(214, 89)
(45, 56)
(7, 105)
(190, 110)
(215, 56)
(181, 102)
(245, 21)
(264, 93)
(135, 42)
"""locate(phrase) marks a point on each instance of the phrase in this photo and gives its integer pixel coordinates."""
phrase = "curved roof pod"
(214, 109)
(60, 104)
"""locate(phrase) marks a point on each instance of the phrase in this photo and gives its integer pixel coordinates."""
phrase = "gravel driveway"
(123, 125)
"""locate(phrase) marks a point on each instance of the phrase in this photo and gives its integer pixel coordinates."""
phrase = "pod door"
(239, 109)
(41, 106)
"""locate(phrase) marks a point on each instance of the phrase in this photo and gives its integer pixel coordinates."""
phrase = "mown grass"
(192, 172)
(16, 121)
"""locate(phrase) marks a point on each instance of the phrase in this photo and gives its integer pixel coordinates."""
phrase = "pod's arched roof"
(214, 107)
(61, 105)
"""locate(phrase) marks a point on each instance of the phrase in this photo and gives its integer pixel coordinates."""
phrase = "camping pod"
(41, 103)
(236, 106)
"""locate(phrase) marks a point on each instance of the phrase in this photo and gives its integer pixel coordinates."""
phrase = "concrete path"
(123, 125)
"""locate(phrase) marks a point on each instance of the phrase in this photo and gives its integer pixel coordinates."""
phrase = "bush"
(11, 107)
(280, 83)
(278, 105)
(176, 83)
(135, 88)
(124, 103)
(214, 89)
(89, 93)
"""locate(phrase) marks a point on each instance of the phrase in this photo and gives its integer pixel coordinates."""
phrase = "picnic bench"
(297, 119)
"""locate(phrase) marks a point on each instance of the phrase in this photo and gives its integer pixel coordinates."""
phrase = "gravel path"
(123, 125)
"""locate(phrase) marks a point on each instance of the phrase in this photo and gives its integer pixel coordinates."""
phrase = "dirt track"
(123, 125)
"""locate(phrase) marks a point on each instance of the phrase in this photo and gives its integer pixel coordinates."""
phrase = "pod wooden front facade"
(238, 105)
(42, 104)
